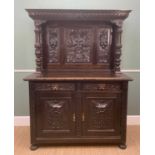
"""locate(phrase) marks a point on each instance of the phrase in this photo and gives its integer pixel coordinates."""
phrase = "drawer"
(54, 86)
(101, 86)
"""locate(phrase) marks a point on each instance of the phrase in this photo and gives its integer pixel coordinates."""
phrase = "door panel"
(55, 114)
(101, 114)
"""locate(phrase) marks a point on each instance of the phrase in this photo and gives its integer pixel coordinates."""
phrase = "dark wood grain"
(78, 94)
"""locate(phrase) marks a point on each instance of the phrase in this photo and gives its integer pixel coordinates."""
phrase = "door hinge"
(83, 117)
(74, 117)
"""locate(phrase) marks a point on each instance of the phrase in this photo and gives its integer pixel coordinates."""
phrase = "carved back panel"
(53, 45)
(75, 45)
(78, 39)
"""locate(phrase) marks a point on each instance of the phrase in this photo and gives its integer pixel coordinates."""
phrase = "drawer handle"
(74, 118)
(55, 88)
(83, 117)
(101, 87)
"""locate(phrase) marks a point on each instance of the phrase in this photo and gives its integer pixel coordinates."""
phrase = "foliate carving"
(54, 86)
(78, 44)
(55, 114)
(38, 44)
(104, 40)
(99, 87)
(117, 22)
(101, 106)
(101, 114)
(39, 22)
(53, 36)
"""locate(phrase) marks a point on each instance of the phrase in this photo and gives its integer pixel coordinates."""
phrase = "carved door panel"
(101, 114)
(55, 114)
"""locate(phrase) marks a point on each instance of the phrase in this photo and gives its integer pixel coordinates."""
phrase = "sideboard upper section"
(78, 40)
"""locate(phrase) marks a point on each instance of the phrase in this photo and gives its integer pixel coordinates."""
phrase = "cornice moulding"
(68, 14)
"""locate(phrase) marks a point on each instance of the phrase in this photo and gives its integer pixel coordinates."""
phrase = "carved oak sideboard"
(78, 94)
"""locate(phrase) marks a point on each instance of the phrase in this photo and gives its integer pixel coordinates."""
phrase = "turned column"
(117, 45)
(38, 45)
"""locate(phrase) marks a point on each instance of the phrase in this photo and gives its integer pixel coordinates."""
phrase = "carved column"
(38, 44)
(117, 44)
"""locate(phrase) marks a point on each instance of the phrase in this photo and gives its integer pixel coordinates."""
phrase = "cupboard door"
(101, 114)
(55, 114)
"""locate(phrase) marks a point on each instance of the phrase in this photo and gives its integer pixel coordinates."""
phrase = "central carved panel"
(78, 45)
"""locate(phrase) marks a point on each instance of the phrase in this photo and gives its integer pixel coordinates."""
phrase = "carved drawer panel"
(54, 86)
(101, 87)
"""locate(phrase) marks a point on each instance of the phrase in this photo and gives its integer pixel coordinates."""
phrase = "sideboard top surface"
(76, 77)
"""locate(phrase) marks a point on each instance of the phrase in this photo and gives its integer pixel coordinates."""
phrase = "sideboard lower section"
(78, 112)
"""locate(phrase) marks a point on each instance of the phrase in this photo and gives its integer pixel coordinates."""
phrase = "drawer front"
(101, 87)
(56, 86)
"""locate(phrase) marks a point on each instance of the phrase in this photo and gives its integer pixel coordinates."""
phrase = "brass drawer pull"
(74, 118)
(55, 87)
(83, 117)
(101, 87)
